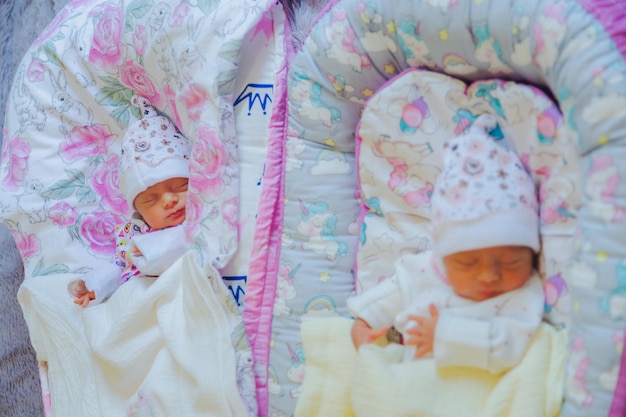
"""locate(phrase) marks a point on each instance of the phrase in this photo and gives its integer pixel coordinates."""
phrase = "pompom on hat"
(153, 150)
(484, 196)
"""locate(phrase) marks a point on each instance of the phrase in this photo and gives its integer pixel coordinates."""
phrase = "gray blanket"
(20, 390)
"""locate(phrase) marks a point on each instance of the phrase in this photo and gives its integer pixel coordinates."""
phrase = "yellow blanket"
(375, 382)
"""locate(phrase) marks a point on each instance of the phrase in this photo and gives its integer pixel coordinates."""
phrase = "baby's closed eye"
(465, 263)
(512, 263)
(149, 199)
(180, 185)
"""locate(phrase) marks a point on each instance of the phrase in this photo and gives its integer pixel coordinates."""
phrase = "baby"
(154, 172)
(475, 299)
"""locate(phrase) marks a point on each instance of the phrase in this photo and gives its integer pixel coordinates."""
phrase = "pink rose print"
(62, 214)
(106, 48)
(194, 97)
(97, 229)
(195, 209)
(180, 12)
(28, 245)
(52, 28)
(207, 162)
(135, 77)
(86, 141)
(105, 183)
(35, 71)
(231, 213)
(16, 152)
(140, 39)
(75, 4)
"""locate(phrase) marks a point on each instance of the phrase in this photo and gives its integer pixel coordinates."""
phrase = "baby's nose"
(491, 273)
(169, 199)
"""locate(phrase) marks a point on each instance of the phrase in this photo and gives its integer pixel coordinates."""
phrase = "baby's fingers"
(82, 301)
(416, 318)
(413, 340)
(421, 351)
(414, 331)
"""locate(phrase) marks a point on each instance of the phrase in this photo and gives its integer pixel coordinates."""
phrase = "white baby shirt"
(491, 334)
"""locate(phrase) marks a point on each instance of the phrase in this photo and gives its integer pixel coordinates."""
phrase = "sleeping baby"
(475, 299)
(154, 172)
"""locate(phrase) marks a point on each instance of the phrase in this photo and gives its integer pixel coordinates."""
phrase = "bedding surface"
(572, 51)
(68, 110)
(70, 104)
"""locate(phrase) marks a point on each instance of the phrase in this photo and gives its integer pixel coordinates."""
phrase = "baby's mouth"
(177, 213)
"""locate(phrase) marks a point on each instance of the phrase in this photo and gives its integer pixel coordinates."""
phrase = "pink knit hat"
(484, 196)
(153, 150)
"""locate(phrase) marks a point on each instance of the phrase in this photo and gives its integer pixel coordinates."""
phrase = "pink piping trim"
(612, 15)
(261, 287)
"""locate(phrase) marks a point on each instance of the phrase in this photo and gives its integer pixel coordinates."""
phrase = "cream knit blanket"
(158, 347)
(375, 382)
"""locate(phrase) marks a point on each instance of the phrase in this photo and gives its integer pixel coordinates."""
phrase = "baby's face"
(486, 273)
(163, 204)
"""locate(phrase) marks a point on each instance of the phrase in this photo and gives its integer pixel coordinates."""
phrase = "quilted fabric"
(70, 104)
(572, 50)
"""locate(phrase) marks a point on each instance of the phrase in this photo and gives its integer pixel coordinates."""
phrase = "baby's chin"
(479, 296)
(180, 221)
(177, 223)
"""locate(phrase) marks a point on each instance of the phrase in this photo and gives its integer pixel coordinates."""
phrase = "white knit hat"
(153, 150)
(484, 196)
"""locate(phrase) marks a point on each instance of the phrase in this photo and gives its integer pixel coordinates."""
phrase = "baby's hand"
(84, 299)
(422, 335)
(79, 290)
(361, 333)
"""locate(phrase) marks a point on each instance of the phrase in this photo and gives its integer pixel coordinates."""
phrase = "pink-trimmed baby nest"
(285, 214)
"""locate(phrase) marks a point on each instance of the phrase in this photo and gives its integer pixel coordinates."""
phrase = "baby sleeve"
(159, 249)
(103, 281)
(379, 306)
(497, 343)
